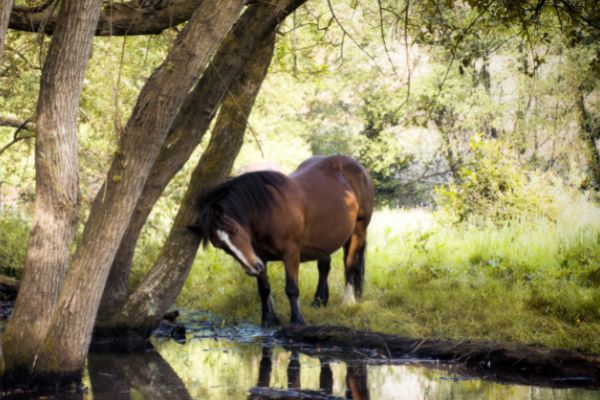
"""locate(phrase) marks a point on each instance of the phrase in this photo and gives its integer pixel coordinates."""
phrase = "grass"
(532, 281)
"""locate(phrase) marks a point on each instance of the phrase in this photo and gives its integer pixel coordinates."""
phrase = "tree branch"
(17, 123)
(116, 19)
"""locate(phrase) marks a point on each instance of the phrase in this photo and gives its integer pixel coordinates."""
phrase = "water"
(245, 362)
(225, 369)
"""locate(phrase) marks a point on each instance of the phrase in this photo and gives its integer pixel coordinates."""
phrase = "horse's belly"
(323, 245)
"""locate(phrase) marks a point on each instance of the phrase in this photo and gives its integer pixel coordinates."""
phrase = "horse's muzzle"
(254, 270)
(259, 267)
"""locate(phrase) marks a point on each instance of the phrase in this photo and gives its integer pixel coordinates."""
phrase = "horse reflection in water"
(356, 381)
(264, 216)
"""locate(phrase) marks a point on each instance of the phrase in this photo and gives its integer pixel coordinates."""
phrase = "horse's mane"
(240, 198)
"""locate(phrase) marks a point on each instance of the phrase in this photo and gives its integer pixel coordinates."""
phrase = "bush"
(493, 188)
(14, 232)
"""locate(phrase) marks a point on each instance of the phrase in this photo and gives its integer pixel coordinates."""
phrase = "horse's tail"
(359, 274)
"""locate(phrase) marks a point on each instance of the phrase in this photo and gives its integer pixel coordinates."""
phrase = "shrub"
(14, 232)
(493, 188)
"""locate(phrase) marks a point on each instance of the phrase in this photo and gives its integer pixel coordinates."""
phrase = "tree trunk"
(590, 134)
(187, 131)
(56, 208)
(5, 9)
(157, 292)
(68, 338)
(444, 121)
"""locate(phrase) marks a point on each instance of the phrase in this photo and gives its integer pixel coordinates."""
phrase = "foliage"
(491, 187)
(14, 231)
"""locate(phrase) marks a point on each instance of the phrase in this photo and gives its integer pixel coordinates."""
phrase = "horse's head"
(236, 241)
(226, 212)
(227, 234)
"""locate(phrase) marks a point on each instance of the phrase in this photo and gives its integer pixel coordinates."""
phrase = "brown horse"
(265, 216)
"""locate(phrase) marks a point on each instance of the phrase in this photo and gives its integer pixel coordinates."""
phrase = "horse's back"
(336, 194)
(338, 174)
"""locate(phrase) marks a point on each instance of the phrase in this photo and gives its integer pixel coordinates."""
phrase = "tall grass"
(533, 281)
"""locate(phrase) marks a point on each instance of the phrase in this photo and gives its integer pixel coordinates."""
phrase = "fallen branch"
(9, 284)
(505, 362)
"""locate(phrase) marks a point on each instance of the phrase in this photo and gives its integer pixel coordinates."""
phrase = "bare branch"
(20, 125)
(17, 123)
(346, 33)
(577, 14)
(407, 56)
(116, 19)
(382, 33)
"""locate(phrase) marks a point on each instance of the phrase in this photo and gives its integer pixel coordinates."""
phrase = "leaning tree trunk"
(187, 131)
(68, 338)
(57, 200)
(157, 292)
(5, 9)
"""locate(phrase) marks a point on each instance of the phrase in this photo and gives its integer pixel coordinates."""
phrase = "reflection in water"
(249, 369)
(356, 380)
(119, 376)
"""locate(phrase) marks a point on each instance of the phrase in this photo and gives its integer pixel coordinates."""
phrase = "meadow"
(531, 281)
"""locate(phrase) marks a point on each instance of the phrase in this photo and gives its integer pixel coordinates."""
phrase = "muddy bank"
(504, 362)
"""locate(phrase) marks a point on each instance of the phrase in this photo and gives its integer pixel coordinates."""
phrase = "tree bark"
(56, 207)
(157, 292)
(116, 19)
(188, 129)
(5, 9)
(69, 335)
(590, 134)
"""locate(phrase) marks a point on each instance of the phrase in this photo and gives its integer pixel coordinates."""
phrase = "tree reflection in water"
(116, 375)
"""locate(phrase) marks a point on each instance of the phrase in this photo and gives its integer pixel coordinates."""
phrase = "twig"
(573, 11)
(16, 137)
(382, 32)
(17, 123)
(407, 55)
(346, 33)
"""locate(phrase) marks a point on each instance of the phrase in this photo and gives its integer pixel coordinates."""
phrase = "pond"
(246, 362)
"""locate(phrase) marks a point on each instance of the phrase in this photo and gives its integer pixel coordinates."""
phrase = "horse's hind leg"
(264, 290)
(322, 294)
(354, 263)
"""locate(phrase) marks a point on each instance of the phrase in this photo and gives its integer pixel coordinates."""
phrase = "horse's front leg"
(291, 260)
(264, 290)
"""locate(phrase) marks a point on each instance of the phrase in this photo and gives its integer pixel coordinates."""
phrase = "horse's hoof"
(270, 322)
(298, 322)
(317, 303)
